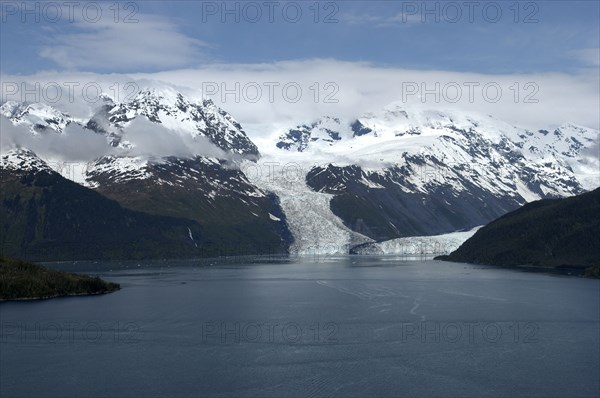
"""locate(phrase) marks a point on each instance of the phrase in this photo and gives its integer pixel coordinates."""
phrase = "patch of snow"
(525, 192)
(23, 160)
(120, 168)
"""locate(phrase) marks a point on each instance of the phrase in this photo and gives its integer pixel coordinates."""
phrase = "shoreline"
(41, 298)
(566, 270)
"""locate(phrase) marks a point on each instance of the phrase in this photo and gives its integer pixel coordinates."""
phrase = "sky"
(532, 63)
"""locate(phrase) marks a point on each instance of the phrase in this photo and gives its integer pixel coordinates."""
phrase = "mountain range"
(409, 171)
(170, 176)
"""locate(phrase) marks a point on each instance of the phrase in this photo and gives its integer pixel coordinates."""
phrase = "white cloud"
(364, 87)
(361, 87)
(74, 144)
(152, 42)
(153, 140)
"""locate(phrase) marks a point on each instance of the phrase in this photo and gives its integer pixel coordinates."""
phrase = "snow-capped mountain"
(203, 189)
(167, 155)
(165, 107)
(561, 162)
(412, 171)
(324, 131)
(22, 161)
(46, 217)
(394, 173)
(198, 127)
(40, 118)
(173, 111)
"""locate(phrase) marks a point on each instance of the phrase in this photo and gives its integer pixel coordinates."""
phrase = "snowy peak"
(23, 160)
(420, 150)
(392, 122)
(327, 130)
(165, 107)
(567, 140)
(173, 111)
(196, 124)
(117, 170)
(39, 117)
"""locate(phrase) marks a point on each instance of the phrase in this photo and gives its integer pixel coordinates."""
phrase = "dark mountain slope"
(221, 200)
(44, 216)
(388, 211)
(561, 232)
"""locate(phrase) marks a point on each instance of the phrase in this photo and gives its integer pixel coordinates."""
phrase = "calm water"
(358, 326)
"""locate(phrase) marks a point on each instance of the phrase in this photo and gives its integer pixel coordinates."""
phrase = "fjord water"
(348, 326)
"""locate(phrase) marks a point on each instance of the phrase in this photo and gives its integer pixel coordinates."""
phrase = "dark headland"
(557, 234)
(21, 280)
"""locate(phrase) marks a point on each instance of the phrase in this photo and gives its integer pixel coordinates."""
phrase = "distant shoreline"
(570, 270)
(2, 300)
